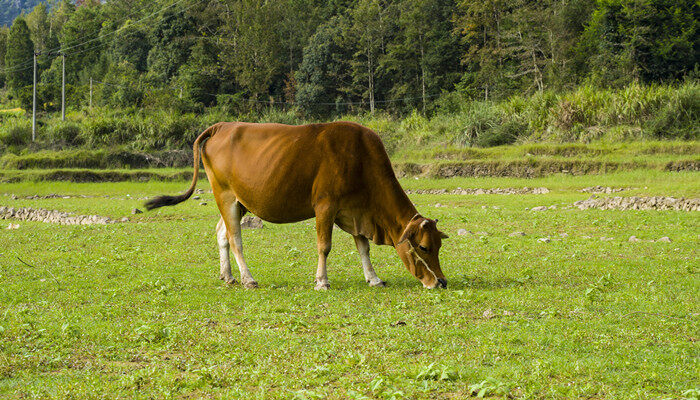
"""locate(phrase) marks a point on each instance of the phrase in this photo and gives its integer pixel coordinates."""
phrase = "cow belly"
(278, 209)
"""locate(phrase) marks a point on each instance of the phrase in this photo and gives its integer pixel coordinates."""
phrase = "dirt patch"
(639, 203)
(525, 190)
(52, 216)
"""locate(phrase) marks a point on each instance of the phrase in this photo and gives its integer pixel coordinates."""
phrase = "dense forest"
(341, 56)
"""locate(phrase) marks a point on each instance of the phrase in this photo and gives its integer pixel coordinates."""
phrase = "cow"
(337, 172)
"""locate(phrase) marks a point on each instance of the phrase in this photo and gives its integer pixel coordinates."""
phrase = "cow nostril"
(442, 283)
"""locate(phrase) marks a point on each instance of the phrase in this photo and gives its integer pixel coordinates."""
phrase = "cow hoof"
(377, 283)
(322, 286)
(250, 285)
(227, 279)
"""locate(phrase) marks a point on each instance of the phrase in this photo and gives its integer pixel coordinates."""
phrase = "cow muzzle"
(442, 283)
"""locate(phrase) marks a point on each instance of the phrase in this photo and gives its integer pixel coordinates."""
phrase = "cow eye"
(423, 248)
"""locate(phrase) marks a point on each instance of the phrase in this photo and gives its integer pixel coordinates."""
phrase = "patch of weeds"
(353, 394)
(380, 387)
(69, 330)
(155, 333)
(435, 372)
(595, 290)
(691, 394)
(489, 387)
(305, 394)
(207, 378)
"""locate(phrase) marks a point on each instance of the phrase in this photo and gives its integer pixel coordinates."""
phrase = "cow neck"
(397, 211)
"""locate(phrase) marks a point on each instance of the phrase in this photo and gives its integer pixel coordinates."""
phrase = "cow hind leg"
(363, 249)
(224, 256)
(324, 231)
(232, 212)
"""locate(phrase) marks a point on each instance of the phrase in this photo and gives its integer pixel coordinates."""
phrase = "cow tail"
(162, 201)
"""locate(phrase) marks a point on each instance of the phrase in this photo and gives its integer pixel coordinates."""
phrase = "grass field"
(136, 309)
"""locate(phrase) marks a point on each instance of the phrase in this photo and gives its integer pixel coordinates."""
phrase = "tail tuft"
(162, 201)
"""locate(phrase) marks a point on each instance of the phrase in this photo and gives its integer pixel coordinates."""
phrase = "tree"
(368, 30)
(77, 39)
(19, 56)
(44, 38)
(426, 55)
(170, 44)
(3, 49)
(130, 44)
(323, 69)
(647, 40)
(251, 44)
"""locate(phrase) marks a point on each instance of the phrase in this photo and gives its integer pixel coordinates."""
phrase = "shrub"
(480, 119)
(64, 133)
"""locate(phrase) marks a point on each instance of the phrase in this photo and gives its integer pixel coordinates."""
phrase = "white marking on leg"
(224, 257)
(322, 273)
(236, 242)
(363, 249)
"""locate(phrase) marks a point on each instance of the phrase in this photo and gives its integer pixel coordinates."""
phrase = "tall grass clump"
(64, 133)
(15, 133)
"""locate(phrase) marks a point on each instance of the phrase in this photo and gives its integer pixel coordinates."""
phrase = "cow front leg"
(224, 257)
(363, 248)
(324, 232)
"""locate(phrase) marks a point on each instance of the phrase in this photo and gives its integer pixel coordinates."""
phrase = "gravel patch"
(52, 216)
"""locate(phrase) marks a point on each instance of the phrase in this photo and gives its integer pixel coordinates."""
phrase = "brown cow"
(337, 172)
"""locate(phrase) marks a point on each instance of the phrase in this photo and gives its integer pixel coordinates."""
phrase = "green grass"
(135, 310)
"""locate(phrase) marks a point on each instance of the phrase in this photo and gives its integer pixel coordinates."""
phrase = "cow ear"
(443, 235)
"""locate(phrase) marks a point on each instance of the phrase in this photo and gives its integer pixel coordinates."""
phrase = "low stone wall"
(477, 191)
(639, 203)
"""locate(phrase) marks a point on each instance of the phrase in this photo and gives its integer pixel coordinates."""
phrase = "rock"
(199, 191)
(507, 313)
(251, 222)
(552, 207)
(204, 203)
(482, 233)
(664, 239)
(606, 239)
(634, 239)
(12, 226)
(125, 219)
(136, 211)
(540, 208)
(462, 232)
(488, 314)
(544, 240)
(516, 234)
(438, 205)
(564, 235)
(196, 197)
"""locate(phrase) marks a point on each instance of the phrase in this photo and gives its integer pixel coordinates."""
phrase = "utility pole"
(34, 103)
(63, 88)
(91, 93)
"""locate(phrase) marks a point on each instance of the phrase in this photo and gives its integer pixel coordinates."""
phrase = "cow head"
(418, 248)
